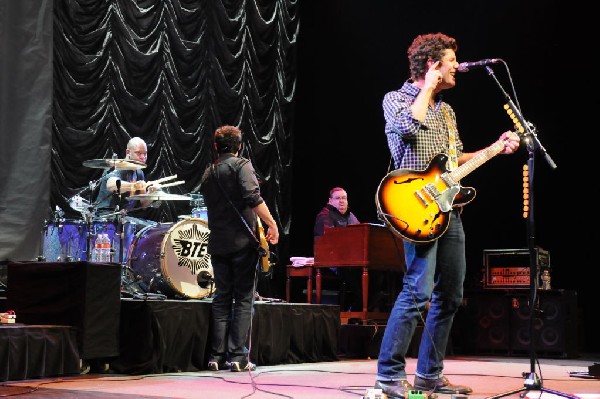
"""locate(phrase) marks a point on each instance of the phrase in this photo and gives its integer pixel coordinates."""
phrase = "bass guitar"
(416, 204)
(265, 262)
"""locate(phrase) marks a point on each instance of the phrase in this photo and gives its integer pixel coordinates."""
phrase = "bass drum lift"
(168, 258)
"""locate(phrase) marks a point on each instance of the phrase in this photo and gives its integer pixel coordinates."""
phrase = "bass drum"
(168, 258)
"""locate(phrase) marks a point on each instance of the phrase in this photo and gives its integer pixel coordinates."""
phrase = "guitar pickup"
(421, 199)
(448, 180)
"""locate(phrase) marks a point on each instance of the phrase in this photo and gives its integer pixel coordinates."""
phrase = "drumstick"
(162, 179)
(175, 183)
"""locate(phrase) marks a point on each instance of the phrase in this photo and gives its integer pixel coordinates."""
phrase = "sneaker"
(242, 366)
(216, 366)
(394, 389)
(440, 385)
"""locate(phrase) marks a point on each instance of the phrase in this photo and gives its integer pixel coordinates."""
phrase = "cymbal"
(128, 164)
(160, 196)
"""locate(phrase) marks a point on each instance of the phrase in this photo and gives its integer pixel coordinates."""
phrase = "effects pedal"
(373, 393)
(378, 394)
(416, 394)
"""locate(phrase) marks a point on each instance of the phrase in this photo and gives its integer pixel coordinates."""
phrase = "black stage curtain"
(173, 336)
(37, 351)
(294, 333)
(170, 72)
(25, 124)
(162, 336)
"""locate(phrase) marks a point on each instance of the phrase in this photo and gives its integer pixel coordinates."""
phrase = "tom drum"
(168, 258)
(66, 239)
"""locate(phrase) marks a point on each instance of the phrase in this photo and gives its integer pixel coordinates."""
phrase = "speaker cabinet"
(483, 324)
(554, 324)
(495, 322)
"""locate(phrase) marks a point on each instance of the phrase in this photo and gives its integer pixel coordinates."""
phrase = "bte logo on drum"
(190, 245)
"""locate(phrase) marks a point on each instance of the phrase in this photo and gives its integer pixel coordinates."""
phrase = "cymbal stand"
(120, 217)
(121, 232)
(532, 382)
(90, 215)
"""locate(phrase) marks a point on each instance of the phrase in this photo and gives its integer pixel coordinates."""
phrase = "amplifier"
(510, 269)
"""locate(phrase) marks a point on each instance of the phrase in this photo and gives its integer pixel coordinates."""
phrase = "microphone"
(205, 279)
(465, 66)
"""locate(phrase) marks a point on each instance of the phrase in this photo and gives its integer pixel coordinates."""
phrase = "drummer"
(120, 183)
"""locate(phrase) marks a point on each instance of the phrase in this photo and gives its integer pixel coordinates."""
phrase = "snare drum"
(168, 258)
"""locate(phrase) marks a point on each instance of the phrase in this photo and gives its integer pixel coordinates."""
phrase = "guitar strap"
(452, 151)
(452, 163)
(261, 250)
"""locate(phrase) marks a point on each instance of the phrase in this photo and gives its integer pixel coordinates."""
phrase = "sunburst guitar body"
(417, 204)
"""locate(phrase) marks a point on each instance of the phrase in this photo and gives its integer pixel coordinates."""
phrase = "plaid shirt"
(414, 144)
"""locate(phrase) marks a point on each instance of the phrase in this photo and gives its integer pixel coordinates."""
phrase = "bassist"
(234, 204)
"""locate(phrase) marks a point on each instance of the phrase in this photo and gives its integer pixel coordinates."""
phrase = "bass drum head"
(169, 258)
(185, 250)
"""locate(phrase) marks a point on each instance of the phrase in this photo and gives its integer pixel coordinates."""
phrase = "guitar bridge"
(431, 191)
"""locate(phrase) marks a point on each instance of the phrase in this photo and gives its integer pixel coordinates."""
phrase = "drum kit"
(165, 259)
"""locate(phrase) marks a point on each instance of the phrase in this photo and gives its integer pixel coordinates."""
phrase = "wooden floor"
(490, 377)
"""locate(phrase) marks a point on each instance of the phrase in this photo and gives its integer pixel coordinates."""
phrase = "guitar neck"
(479, 159)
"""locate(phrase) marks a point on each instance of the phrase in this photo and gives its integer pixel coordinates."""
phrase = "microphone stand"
(532, 382)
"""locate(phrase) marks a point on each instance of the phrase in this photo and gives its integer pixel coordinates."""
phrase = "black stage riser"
(137, 336)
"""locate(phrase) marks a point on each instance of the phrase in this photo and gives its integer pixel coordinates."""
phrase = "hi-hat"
(127, 164)
(159, 196)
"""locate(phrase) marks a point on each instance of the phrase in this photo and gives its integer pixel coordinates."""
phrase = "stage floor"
(488, 376)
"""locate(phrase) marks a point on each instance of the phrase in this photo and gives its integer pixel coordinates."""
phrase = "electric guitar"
(265, 263)
(416, 204)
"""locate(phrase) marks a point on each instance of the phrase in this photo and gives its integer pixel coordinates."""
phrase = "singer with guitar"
(234, 204)
(419, 127)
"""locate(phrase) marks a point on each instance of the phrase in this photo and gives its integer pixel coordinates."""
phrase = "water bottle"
(546, 278)
(105, 251)
(96, 249)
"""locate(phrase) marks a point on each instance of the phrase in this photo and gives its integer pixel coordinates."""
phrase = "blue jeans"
(232, 304)
(435, 273)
